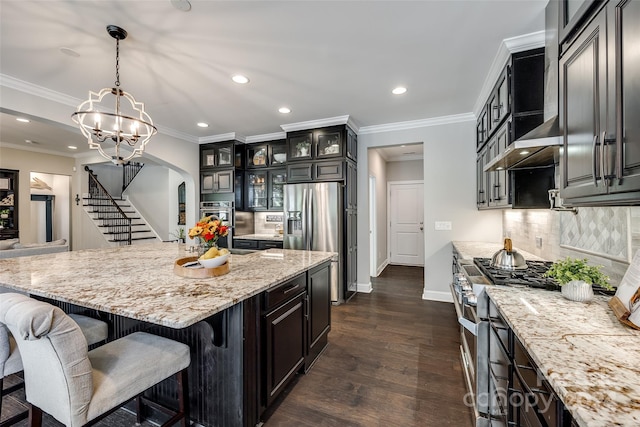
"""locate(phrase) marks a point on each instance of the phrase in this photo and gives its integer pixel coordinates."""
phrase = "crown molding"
(222, 137)
(413, 124)
(177, 134)
(39, 91)
(266, 137)
(314, 124)
(506, 48)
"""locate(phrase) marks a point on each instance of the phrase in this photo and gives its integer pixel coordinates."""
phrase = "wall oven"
(224, 211)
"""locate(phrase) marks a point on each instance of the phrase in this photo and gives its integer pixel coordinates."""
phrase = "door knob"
(421, 228)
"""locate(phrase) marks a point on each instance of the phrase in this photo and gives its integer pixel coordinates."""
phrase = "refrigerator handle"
(305, 216)
(310, 221)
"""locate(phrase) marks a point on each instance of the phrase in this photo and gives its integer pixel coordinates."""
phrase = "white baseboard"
(437, 296)
(365, 288)
(381, 267)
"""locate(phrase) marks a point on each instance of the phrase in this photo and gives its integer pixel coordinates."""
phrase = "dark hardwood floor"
(392, 360)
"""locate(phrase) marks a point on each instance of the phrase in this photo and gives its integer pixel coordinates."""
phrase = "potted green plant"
(576, 278)
(4, 213)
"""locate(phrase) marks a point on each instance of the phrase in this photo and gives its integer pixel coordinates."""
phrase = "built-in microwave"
(530, 187)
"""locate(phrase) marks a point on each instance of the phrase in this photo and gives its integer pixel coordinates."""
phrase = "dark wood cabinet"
(9, 204)
(498, 184)
(572, 14)
(220, 181)
(482, 177)
(319, 312)
(322, 143)
(499, 105)
(352, 145)
(284, 343)
(245, 244)
(295, 323)
(269, 244)
(257, 156)
(329, 171)
(600, 161)
(265, 189)
(514, 107)
(481, 128)
(217, 155)
(217, 167)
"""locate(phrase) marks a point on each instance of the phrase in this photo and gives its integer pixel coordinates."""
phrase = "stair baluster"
(109, 211)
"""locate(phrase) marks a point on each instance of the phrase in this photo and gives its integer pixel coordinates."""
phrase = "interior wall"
(174, 180)
(410, 170)
(60, 188)
(378, 168)
(27, 162)
(449, 172)
(110, 176)
(148, 192)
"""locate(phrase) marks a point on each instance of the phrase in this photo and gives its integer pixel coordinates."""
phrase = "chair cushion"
(126, 367)
(94, 330)
(14, 362)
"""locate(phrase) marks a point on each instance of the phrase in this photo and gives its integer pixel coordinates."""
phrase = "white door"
(406, 219)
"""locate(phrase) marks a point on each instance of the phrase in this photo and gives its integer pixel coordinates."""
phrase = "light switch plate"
(443, 225)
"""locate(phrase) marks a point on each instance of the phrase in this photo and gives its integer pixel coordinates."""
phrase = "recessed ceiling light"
(240, 79)
(284, 110)
(182, 5)
(23, 120)
(399, 90)
(203, 124)
(524, 152)
(499, 168)
(28, 141)
(69, 52)
(72, 147)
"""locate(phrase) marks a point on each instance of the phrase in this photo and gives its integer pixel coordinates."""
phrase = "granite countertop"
(470, 250)
(590, 359)
(277, 238)
(138, 281)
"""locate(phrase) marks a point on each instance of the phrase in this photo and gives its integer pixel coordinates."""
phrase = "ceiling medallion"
(126, 122)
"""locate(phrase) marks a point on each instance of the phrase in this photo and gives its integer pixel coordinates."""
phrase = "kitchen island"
(221, 318)
(591, 360)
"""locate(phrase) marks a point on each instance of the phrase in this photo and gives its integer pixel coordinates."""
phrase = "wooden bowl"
(198, 273)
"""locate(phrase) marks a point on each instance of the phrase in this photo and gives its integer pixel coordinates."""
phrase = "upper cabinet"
(267, 154)
(8, 204)
(217, 155)
(514, 107)
(599, 68)
(323, 143)
(572, 14)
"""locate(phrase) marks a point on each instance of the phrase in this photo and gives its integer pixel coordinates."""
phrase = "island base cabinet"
(284, 345)
(319, 312)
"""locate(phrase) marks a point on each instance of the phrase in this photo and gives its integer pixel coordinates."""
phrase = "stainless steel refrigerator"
(314, 221)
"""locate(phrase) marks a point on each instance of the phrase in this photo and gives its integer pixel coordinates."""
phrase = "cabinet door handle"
(291, 288)
(603, 164)
(594, 160)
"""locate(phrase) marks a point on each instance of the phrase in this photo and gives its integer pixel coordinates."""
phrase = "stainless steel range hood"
(539, 147)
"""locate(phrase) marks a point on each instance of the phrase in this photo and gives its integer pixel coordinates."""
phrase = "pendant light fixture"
(108, 122)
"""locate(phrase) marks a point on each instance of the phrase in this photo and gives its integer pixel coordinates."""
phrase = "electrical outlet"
(538, 242)
(443, 225)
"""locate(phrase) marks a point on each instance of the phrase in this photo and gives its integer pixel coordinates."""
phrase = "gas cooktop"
(532, 277)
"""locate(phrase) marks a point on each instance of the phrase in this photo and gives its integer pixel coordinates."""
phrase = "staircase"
(117, 219)
(109, 221)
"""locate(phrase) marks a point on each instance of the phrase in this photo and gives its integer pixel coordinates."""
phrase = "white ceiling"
(320, 58)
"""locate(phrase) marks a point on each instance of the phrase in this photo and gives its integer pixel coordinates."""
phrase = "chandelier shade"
(112, 118)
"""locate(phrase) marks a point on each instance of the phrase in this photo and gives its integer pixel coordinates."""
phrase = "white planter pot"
(577, 290)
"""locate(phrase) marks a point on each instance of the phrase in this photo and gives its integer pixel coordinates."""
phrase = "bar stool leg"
(183, 396)
(35, 416)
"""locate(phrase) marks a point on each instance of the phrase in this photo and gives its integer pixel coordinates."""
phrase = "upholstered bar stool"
(79, 387)
(95, 331)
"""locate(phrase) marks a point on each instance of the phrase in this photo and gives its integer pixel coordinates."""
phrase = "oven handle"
(469, 325)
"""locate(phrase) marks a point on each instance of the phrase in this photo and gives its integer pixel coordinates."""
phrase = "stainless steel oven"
(224, 211)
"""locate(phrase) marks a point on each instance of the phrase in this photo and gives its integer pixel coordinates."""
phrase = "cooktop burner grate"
(531, 277)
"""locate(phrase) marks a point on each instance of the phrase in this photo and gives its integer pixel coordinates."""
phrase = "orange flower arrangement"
(208, 230)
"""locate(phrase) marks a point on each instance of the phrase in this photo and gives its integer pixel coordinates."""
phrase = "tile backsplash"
(267, 222)
(607, 236)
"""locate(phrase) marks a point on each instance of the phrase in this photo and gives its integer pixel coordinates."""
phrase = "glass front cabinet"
(265, 189)
(317, 144)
